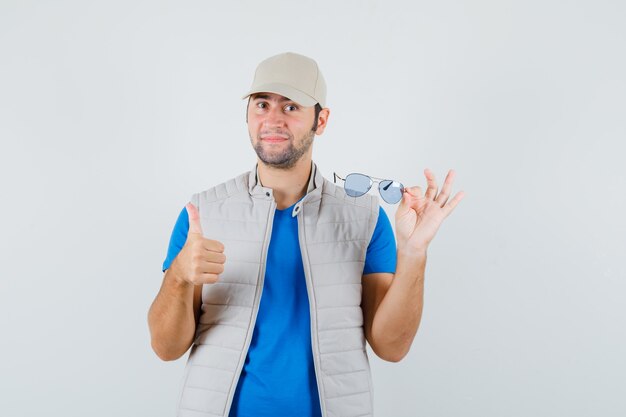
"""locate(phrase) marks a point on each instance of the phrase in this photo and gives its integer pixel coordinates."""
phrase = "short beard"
(289, 157)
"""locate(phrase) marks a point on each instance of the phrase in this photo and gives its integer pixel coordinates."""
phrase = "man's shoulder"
(236, 186)
(336, 194)
(337, 204)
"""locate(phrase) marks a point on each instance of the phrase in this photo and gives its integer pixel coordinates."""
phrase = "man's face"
(280, 129)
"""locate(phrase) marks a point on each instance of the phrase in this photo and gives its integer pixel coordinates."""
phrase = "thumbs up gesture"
(201, 260)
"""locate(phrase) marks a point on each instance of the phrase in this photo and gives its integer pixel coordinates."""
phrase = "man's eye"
(291, 107)
(260, 105)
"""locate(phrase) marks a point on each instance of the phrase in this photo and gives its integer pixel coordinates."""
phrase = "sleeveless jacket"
(334, 231)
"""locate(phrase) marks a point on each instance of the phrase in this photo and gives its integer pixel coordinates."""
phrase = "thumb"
(409, 197)
(194, 219)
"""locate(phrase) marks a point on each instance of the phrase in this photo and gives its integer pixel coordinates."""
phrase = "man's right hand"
(201, 260)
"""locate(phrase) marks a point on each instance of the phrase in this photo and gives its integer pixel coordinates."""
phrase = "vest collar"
(314, 189)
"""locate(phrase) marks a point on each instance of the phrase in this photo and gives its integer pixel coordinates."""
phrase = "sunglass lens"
(357, 184)
(391, 191)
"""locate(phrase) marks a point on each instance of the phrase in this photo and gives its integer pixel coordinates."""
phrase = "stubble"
(288, 156)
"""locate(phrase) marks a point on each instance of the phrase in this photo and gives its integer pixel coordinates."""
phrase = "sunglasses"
(357, 185)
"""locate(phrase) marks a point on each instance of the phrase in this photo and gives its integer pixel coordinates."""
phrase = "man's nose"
(274, 117)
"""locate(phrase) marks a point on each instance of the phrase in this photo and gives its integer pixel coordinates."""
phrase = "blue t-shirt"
(278, 377)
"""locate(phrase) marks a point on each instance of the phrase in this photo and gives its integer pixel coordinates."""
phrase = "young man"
(276, 278)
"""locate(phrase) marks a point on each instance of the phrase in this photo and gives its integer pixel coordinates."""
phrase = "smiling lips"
(274, 138)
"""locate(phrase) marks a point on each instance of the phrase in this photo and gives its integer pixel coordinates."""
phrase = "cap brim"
(286, 91)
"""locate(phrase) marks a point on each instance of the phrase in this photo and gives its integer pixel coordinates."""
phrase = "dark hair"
(318, 109)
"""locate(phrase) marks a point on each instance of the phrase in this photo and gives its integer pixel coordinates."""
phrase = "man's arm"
(392, 304)
(175, 312)
(392, 307)
(173, 316)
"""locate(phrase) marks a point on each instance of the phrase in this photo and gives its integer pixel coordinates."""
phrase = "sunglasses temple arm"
(335, 176)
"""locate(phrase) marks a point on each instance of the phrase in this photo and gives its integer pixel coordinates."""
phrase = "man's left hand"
(419, 216)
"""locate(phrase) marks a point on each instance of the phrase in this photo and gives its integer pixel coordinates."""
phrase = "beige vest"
(334, 231)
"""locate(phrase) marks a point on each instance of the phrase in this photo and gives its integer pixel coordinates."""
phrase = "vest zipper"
(312, 307)
(256, 304)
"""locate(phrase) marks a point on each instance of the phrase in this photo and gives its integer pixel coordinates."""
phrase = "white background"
(113, 113)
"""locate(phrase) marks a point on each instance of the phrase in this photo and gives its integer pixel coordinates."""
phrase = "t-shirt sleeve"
(381, 251)
(178, 238)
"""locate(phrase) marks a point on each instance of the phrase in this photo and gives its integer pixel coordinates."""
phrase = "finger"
(194, 219)
(203, 266)
(410, 197)
(445, 190)
(213, 245)
(447, 209)
(208, 278)
(431, 191)
(211, 268)
(215, 257)
(415, 192)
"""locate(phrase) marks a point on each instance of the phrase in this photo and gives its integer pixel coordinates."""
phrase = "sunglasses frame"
(372, 181)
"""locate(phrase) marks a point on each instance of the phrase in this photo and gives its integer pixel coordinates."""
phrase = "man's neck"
(288, 185)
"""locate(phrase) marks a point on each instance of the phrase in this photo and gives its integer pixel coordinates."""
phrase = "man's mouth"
(274, 138)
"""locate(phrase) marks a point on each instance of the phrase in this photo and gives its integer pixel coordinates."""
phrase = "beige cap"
(292, 75)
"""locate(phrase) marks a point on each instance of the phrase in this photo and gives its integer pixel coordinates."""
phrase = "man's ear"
(322, 120)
